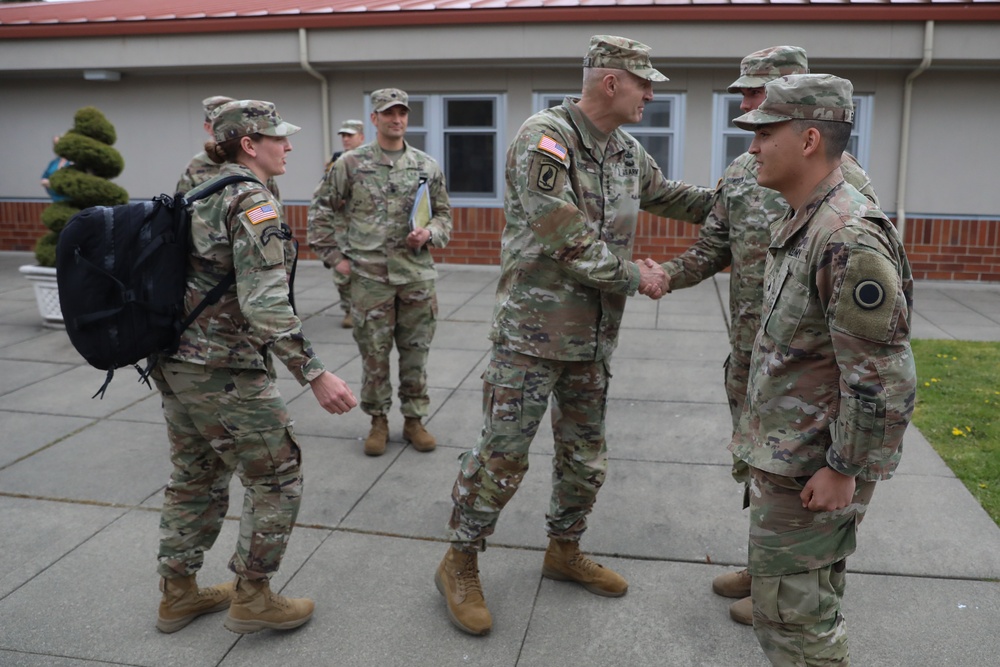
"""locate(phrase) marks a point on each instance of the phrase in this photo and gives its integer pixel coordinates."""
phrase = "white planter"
(46, 294)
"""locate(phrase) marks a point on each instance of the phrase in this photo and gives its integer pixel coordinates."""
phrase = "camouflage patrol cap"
(768, 64)
(240, 118)
(802, 96)
(212, 103)
(621, 53)
(385, 98)
(351, 127)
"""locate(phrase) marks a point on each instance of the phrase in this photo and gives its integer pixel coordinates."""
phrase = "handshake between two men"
(653, 280)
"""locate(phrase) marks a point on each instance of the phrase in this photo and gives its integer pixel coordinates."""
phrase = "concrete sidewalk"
(81, 483)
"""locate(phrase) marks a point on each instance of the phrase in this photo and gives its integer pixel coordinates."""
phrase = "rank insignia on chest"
(261, 213)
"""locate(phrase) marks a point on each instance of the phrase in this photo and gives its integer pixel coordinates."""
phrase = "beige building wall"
(156, 105)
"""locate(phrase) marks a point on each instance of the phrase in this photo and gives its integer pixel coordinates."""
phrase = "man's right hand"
(653, 280)
(332, 393)
(343, 267)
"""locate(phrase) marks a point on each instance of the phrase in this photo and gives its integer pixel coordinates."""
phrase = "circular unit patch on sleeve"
(869, 294)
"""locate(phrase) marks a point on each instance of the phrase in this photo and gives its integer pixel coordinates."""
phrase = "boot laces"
(468, 581)
(580, 562)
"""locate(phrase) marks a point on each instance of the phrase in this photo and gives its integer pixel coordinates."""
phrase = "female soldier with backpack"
(220, 400)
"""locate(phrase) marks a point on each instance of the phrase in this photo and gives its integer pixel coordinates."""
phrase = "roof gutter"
(324, 91)
(904, 140)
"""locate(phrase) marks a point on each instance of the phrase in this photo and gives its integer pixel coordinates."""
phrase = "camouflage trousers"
(406, 315)
(797, 561)
(737, 378)
(343, 284)
(516, 390)
(220, 421)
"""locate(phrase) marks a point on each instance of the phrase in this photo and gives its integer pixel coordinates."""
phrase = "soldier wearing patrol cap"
(201, 168)
(360, 225)
(352, 135)
(220, 398)
(736, 234)
(566, 271)
(832, 378)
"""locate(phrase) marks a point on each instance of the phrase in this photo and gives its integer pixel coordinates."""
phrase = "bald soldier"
(575, 183)
(736, 234)
(832, 379)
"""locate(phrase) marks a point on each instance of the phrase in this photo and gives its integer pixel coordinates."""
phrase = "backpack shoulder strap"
(212, 186)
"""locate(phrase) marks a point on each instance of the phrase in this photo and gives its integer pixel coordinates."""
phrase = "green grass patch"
(958, 411)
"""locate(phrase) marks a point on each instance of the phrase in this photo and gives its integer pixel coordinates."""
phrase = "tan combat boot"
(741, 611)
(457, 579)
(415, 434)
(348, 322)
(378, 436)
(565, 562)
(256, 608)
(183, 601)
(732, 584)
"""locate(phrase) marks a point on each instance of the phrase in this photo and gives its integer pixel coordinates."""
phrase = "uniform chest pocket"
(789, 305)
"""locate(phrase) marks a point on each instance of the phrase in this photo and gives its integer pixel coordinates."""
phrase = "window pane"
(656, 114)
(658, 146)
(733, 110)
(736, 145)
(417, 139)
(469, 113)
(416, 113)
(469, 163)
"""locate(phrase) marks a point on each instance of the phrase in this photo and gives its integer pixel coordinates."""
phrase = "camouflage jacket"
(201, 168)
(566, 249)
(254, 315)
(737, 233)
(361, 210)
(832, 378)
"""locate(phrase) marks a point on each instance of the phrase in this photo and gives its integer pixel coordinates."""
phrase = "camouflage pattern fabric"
(838, 295)
(566, 269)
(221, 420)
(736, 234)
(798, 584)
(201, 169)
(516, 390)
(384, 314)
(768, 64)
(821, 97)
(571, 213)
(254, 316)
(361, 210)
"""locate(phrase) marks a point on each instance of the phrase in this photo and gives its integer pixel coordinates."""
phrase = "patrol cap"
(384, 98)
(350, 127)
(212, 103)
(768, 64)
(621, 53)
(240, 118)
(802, 96)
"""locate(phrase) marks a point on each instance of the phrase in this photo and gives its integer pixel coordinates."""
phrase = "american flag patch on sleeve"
(262, 213)
(550, 145)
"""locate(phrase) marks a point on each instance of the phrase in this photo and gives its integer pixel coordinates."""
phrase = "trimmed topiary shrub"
(88, 146)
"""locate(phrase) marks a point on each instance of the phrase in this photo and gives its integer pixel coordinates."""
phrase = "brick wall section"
(938, 248)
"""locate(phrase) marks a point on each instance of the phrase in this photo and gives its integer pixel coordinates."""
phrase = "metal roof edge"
(896, 12)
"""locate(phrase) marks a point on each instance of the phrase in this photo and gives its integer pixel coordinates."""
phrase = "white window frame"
(434, 130)
(722, 128)
(542, 100)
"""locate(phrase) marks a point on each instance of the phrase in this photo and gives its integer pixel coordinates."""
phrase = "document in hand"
(420, 215)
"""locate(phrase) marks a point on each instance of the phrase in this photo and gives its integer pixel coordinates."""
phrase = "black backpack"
(122, 275)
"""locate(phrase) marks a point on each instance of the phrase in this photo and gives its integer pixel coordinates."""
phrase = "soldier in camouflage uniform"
(202, 168)
(736, 234)
(359, 224)
(832, 378)
(220, 398)
(352, 135)
(575, 183)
